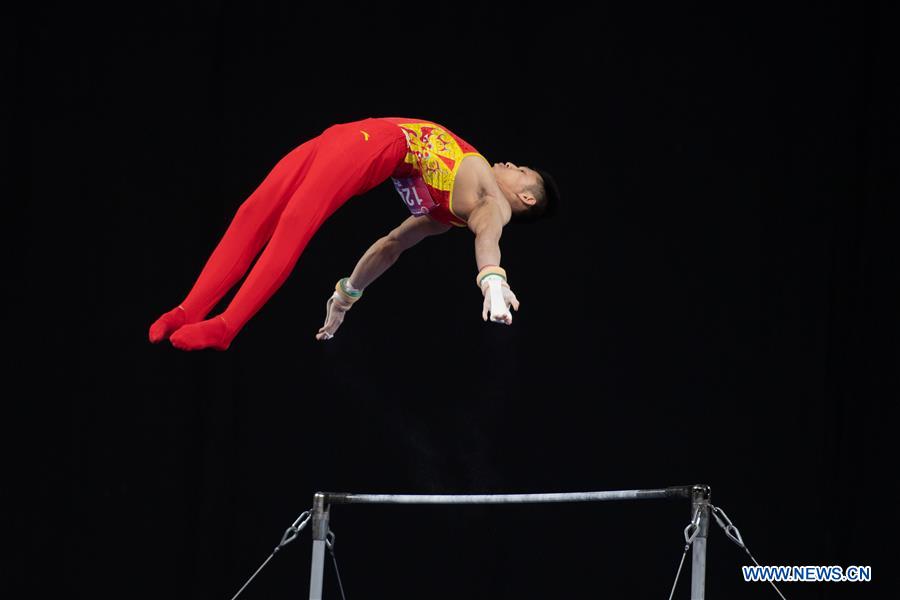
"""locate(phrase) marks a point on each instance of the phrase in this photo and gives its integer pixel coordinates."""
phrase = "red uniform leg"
(251, 226)
(350, 159)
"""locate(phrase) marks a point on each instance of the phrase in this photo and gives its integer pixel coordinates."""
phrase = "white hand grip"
(499, 311)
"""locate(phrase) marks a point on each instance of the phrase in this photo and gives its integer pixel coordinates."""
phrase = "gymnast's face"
(516, 182)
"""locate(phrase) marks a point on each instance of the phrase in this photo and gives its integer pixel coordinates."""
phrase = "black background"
(718, 302)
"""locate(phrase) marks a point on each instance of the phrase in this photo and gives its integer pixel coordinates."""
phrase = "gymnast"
(442, 180)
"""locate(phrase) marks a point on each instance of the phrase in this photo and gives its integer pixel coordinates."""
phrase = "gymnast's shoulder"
(475, 186)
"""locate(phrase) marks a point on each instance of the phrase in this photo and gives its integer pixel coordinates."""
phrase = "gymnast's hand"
(335, 309)
(498, 297)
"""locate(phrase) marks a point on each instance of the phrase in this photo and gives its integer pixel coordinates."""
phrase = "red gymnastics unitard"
(303, 189)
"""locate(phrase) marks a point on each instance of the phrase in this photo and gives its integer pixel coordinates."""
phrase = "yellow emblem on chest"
(434, 152)
(365, 134)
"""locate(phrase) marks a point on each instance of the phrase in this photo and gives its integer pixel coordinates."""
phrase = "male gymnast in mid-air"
(442, 179)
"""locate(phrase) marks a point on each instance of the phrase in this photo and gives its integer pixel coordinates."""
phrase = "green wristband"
(488, 275)
(352, 294)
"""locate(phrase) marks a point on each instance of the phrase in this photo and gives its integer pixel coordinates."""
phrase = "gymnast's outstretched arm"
(376, 260)
(486, 221)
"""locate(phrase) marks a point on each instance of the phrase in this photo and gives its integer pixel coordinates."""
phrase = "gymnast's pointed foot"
(213, 333)
(164, 326)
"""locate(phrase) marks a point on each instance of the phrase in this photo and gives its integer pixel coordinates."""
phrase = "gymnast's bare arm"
(386, 250)
(488, 212)
(376, 260)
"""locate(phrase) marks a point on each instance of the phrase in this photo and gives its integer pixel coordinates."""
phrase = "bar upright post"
(699, 501)
(319, 533)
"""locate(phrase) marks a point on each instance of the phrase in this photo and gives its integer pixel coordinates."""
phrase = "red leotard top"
(430, 164)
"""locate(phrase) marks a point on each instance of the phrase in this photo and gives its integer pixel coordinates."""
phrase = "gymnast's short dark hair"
(546, 192)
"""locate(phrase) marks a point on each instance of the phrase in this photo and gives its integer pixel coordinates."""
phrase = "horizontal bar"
(344, 498)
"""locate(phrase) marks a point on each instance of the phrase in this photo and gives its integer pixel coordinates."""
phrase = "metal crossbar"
(697, 494)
